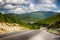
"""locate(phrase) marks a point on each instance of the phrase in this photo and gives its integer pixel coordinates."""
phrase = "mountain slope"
(9, 19)
(51, 20)
(34, 16)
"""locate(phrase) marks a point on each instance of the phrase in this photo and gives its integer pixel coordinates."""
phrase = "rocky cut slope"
(9, 27)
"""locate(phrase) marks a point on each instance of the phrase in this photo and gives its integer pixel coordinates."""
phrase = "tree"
(57, 24)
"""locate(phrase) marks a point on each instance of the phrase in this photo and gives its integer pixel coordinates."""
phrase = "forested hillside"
(51, 20)
(9, 19)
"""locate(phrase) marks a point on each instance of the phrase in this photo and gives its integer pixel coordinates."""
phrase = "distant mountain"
(51, 20)
(34, 16)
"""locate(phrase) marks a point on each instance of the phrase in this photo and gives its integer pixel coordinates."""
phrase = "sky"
(23, 6)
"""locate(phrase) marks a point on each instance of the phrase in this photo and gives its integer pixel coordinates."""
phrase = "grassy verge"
(54, 31)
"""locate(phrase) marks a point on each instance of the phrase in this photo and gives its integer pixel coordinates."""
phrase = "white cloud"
(32, 7)
(44, 5)
(47, 1)
(21, 6)
(9, 6)
(14, 1)
(58, 11)
(18, 10)
(1, 0)
(47, 4)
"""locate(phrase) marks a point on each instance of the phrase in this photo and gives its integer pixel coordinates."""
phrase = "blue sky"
(23, 6)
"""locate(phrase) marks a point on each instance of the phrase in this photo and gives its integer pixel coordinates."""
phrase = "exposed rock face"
(10, 27)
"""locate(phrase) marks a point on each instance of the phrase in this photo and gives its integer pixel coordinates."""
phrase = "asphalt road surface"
(30, 35)
(9, 34)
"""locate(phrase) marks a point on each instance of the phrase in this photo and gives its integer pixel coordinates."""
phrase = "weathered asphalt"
(31, 35)
(9, 34)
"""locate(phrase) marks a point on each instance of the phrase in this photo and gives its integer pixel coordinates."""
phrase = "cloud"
(58, 11)
(22, 6)
(47, 4)
(32, 7)
(14, 1)
(1, 0)
(9, 7)
(18, 10)
(43, 5)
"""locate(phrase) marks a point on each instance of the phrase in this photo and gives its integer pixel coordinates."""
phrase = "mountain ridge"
(33, 16)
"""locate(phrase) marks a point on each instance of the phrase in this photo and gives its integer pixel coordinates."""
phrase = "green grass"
(54, 31)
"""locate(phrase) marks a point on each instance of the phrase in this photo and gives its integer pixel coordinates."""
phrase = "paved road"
(9, 34)
(32, 35)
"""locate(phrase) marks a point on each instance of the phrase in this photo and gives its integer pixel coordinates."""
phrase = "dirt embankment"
(10, 27)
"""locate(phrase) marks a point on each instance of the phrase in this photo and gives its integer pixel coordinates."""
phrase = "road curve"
(32, 35)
